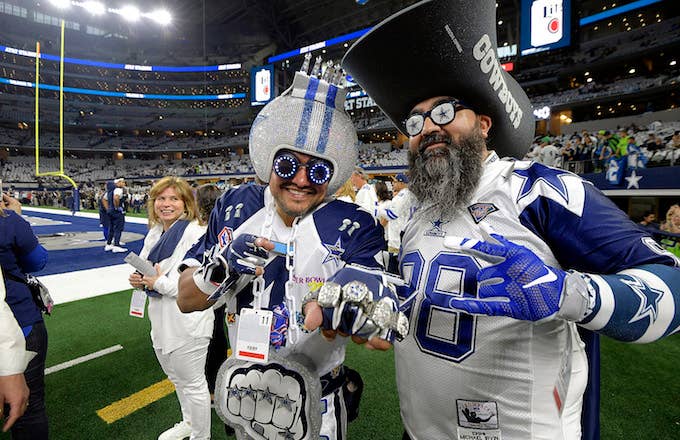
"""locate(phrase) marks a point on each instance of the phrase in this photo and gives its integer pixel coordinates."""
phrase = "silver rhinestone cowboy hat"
(309, 118)
(444, 48)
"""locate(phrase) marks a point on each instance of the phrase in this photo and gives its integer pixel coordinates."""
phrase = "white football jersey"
(461, 376)
(336, 233)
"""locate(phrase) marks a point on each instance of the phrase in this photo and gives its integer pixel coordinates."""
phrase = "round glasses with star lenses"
(319, 171)
(441, 114)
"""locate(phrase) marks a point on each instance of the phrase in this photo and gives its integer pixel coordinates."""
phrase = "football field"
(104, 381)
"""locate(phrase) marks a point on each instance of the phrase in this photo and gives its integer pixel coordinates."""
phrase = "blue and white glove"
(243, 256)
(212, 271)
(519, 284)
(360, 301)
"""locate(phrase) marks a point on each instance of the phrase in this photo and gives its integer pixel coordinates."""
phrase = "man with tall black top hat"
(504, 258)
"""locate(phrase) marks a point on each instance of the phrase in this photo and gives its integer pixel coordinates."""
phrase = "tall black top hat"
(443, 48)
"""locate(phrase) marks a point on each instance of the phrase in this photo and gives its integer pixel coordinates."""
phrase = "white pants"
(185, 368)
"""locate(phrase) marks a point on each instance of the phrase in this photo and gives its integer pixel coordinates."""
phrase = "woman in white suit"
(180, 340)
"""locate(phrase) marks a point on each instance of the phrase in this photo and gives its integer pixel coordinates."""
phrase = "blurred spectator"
(366, 196)
(549, 154)
(346, 192)
(636, 158)
(116, 213)
(675, 140)
(180, 340)
(398, 212)
(103, 206)
(206, 195)
(672, 223)
(648, 221)
(20, 253)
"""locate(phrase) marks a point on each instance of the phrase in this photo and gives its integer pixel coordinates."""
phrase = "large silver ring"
(382, 313)
(329, 294)
(309, 297)
(355, 292)
(402, 326)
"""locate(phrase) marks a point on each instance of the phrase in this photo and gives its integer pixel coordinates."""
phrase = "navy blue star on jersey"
(649, 298)
(436, 230)
(537, 173)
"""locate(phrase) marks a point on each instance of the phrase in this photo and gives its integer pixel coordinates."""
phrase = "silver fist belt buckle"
(280, 400)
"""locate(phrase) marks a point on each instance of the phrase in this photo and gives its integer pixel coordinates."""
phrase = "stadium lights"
(160, 16)
(93, 7)
(672, 63)
(129, 13)
(61, 4)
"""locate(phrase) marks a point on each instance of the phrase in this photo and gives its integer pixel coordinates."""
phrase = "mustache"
(306, 188)
(433, 138)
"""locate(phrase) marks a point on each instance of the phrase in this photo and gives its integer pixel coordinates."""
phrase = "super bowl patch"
(479, 211)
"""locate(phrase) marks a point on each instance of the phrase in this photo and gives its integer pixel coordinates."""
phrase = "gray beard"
(444, 180)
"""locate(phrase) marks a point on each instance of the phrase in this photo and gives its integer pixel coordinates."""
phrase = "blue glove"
(243, 256)
(517, 284)
(359, 301)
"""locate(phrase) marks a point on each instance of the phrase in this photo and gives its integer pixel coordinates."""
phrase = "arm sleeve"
(633, 283)
(32, 256)
(640, 304)
(367, 243)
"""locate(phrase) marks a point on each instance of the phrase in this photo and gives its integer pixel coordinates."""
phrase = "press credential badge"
(252, 343)
(137, 303)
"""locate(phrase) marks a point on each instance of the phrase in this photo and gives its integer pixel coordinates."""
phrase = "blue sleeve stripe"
(391, 215)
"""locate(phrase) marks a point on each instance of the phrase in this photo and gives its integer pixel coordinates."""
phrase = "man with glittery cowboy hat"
(493, 349)
(267, 251)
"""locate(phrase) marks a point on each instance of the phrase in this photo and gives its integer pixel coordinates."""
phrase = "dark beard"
(444, 180)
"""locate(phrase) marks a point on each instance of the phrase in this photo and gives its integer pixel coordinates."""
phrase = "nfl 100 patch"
(480, 211)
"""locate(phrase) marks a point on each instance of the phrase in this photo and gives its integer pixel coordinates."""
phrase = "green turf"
(640, 388)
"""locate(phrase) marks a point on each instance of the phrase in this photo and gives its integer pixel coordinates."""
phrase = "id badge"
(252, 343)
(137, 303)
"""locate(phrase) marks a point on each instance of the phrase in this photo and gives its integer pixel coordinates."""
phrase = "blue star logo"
(537, 173)
(649, 298)
(437, 224)
(335, 252)
(436, 230)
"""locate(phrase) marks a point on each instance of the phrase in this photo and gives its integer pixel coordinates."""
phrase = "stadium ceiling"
(289, 23)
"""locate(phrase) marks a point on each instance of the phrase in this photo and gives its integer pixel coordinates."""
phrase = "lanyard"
(259, 283)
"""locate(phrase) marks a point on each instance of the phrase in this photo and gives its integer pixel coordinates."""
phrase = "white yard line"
(81, 359)
(94, 215)
(88, 283)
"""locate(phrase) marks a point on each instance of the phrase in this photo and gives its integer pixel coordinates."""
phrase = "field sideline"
(640, 386)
